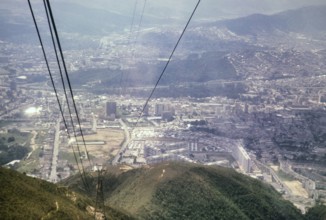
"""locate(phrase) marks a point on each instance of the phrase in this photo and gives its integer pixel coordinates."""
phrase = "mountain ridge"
(304, 20)
(24, 197)
(173, 190)
(178, 190)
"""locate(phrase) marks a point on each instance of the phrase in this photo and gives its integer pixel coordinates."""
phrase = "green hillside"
(316, 213)
(23, 197)
(165, 191)
(190, 191)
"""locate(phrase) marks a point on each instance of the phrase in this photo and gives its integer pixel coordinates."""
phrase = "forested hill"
(23, 197)
(164, 191)
(190, 191)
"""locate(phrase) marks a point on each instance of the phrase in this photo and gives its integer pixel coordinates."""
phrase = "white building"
(242, 157)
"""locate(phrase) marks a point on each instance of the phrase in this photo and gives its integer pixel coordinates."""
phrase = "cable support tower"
(100, 202)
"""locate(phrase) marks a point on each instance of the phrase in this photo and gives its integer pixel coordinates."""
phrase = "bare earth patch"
(112, 138)
(275, 168)
(296, 188)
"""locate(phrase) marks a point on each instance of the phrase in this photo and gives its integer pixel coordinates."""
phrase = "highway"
(53, 174)
(125, 142)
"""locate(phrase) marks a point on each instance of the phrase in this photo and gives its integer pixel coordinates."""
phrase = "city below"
(210, 131)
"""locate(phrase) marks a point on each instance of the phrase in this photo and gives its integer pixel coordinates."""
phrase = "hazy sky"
(209, 8)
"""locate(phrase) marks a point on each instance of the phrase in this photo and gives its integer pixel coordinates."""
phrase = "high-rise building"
(193, 146)
(161, 108)
(111, 110)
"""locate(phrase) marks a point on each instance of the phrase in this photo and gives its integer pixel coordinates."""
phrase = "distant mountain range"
(221, 34)
(165, 191)
(305, 20)
(74, 18)
(208, 9)
(257, 46)
(209, 50)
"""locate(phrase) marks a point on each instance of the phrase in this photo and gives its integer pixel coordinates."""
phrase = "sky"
(209, 8)
(213, 9)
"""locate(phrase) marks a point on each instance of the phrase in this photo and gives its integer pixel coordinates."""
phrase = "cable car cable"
(168, 62)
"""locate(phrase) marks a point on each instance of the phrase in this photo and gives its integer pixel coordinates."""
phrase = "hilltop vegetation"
(23, 197)
(191, 191)
(317, 212)
(165, 191)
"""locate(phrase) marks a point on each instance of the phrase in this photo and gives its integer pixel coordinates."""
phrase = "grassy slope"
(165, 191)
(190, 191)
(316, 213)
(23, 197)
